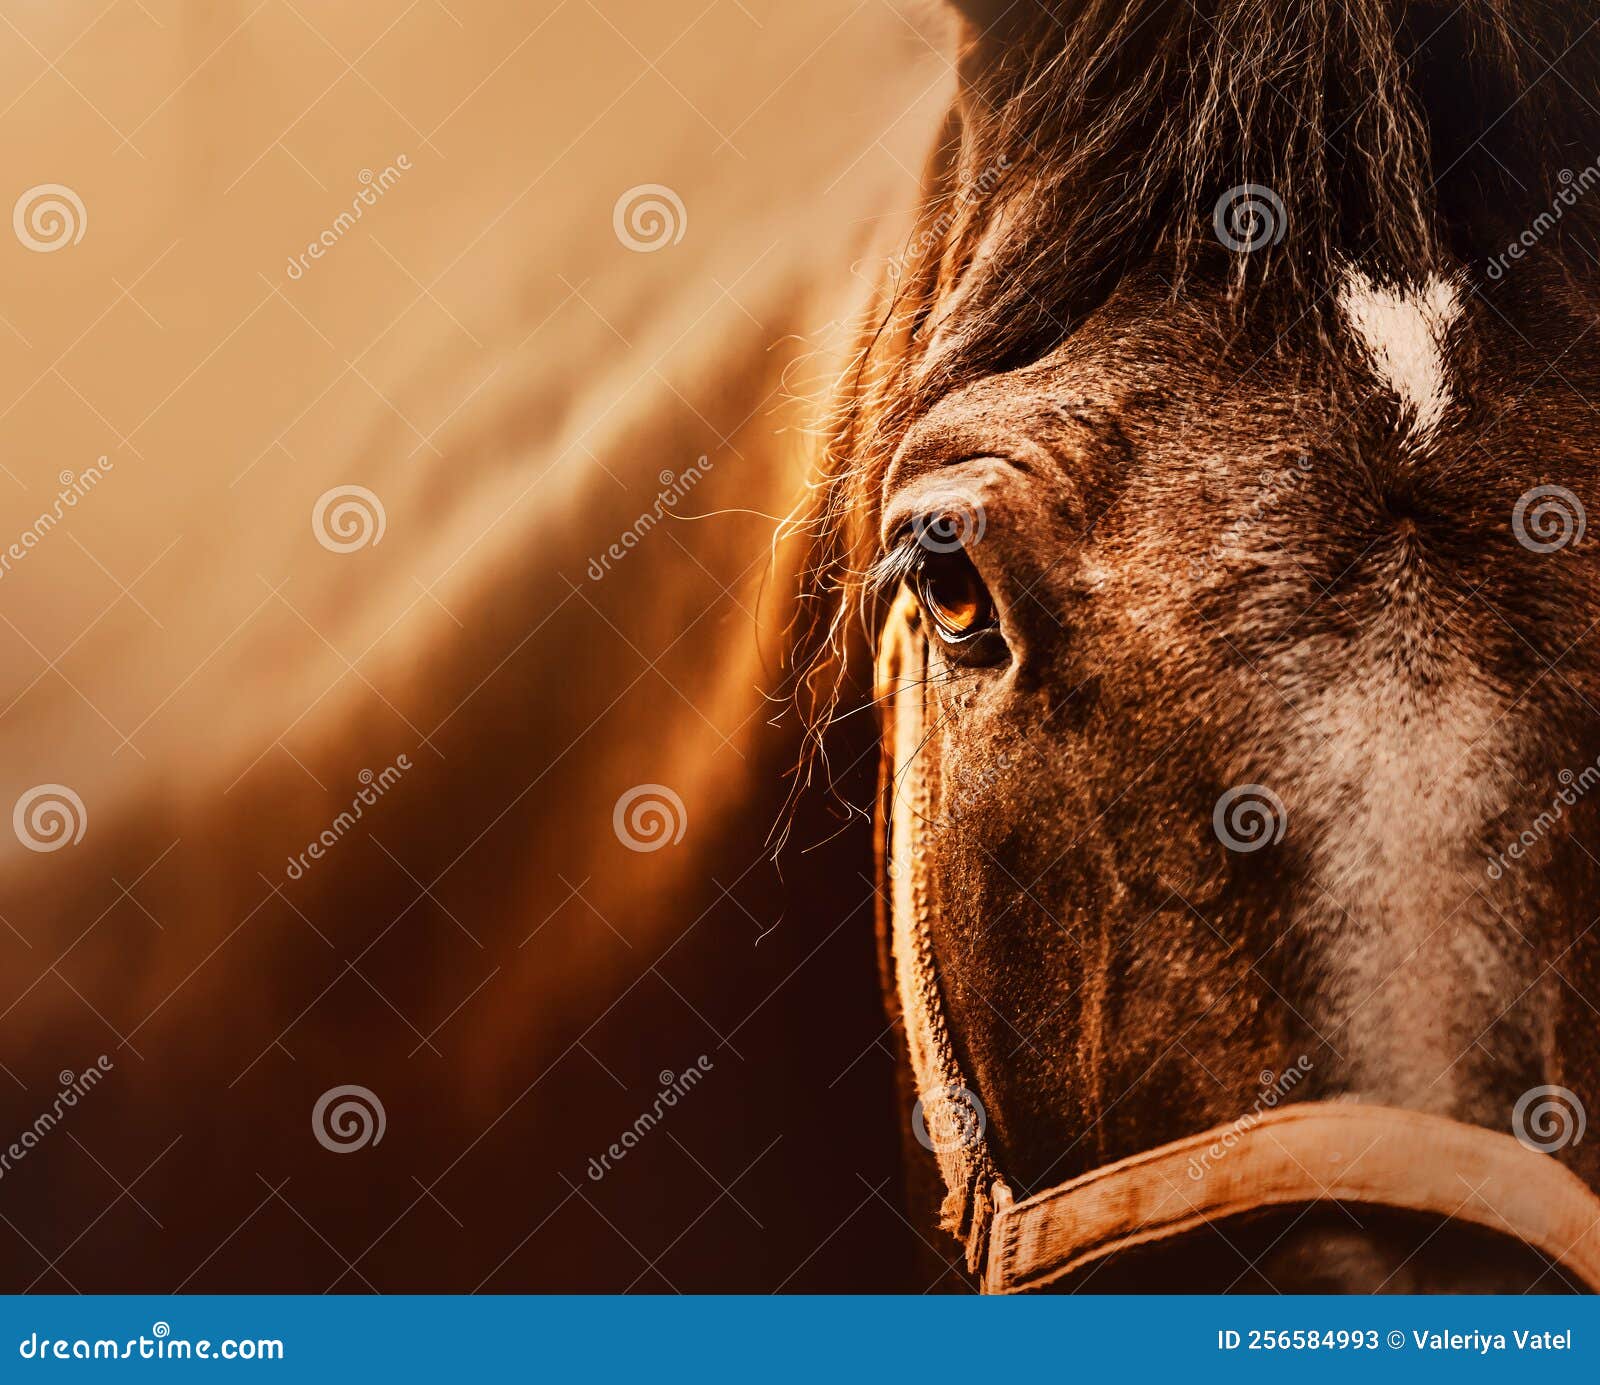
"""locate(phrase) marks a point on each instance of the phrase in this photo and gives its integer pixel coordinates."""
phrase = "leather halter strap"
(1296, 1155)
(906, 803)
(1374, 1156)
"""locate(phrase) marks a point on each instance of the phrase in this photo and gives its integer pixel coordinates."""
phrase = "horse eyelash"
(885, 575)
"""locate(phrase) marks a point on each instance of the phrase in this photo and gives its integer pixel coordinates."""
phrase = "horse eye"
(953, 595)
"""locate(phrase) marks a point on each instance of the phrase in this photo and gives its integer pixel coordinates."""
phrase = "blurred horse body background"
(450, 365)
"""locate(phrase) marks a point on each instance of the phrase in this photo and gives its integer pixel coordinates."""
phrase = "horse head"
(1213, 478)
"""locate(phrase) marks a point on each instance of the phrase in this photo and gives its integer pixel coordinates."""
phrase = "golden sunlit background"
(396, 405)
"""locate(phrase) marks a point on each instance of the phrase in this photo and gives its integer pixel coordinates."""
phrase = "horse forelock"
(1094, 142)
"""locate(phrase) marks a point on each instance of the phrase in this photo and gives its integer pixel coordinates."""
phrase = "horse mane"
(1094, 138)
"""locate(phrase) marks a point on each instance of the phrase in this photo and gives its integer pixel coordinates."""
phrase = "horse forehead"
(1404, 333)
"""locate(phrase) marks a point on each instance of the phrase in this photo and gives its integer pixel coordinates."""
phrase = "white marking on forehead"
(1404, 332)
